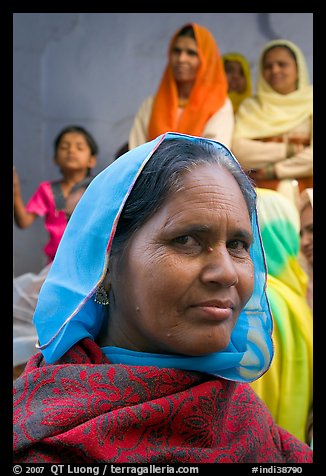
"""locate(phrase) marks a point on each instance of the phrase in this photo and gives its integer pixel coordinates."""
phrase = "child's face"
(74, 153)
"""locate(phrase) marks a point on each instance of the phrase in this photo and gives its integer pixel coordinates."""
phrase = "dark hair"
(286, 47)
(162, 175)
(187, 30)
(88, 137)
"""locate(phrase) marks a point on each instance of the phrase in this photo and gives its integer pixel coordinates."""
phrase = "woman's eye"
(187, 242)
(238, 246)
(183, 240)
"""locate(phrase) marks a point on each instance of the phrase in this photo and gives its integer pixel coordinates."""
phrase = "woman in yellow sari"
(237, 70)
(273, 129)
(286, 387)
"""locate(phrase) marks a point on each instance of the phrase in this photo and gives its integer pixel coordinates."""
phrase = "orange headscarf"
(208, 94)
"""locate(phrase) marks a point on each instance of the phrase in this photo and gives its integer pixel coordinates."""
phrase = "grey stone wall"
(94, 69)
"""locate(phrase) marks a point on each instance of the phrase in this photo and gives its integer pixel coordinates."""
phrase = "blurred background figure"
(237, 69)
(121, 150)
(75, 152)
(273, 129)
(192, 95)
(26, 289)
(287, 387)
(307, 237)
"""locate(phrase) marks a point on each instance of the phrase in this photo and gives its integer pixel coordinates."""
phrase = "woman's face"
(187, 273)
(235, 75)
(306, 233)
(184, 60)
(280, 70)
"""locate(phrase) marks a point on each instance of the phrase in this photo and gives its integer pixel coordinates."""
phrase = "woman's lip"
(182, 69)
(215, 313)
(308, 249)
(277, 78)
(221, 303)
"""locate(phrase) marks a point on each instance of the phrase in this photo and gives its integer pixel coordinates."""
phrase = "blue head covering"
(66, 311)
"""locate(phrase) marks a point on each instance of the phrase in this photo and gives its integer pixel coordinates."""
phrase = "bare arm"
(257, 154)
(23, 218)
(299, 165)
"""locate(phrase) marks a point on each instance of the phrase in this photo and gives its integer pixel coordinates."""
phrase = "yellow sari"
(286, 387)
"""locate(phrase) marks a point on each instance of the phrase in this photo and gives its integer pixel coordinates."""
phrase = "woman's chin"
(206, 348)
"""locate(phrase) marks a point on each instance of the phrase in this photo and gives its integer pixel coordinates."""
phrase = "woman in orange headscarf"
(192, 96)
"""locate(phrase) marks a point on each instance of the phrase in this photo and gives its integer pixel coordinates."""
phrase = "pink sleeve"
(41, 202)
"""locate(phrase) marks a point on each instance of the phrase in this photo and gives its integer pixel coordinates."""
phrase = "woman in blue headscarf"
(153, 319)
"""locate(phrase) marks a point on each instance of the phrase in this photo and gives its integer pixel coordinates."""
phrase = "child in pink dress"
(75, 154)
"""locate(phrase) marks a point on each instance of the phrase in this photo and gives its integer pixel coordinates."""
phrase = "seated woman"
(287, 387)
(273, 130)
(307, 261)
(237, 70)
(153, 319)
(192, 95)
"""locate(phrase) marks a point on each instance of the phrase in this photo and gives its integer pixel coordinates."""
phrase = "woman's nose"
(275, 68)
(219, 268)
(183, 56)
(305, 239)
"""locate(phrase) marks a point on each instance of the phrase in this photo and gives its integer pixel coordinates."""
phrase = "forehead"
(185, 42)
(278, 53)
(211, 186)
(73, 137)
(306, 214)
(233, 66)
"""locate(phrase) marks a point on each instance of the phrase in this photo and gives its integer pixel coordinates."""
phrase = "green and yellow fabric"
(286, 387)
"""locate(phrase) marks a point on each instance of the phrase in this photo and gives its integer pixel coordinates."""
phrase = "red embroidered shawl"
(85, 410)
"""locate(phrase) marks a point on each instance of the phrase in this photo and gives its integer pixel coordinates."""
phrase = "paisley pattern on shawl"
(92, 411)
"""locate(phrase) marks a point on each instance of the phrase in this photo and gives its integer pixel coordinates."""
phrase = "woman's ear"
(92, 161)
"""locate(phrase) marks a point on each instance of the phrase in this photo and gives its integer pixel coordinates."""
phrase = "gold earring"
(101, 296)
